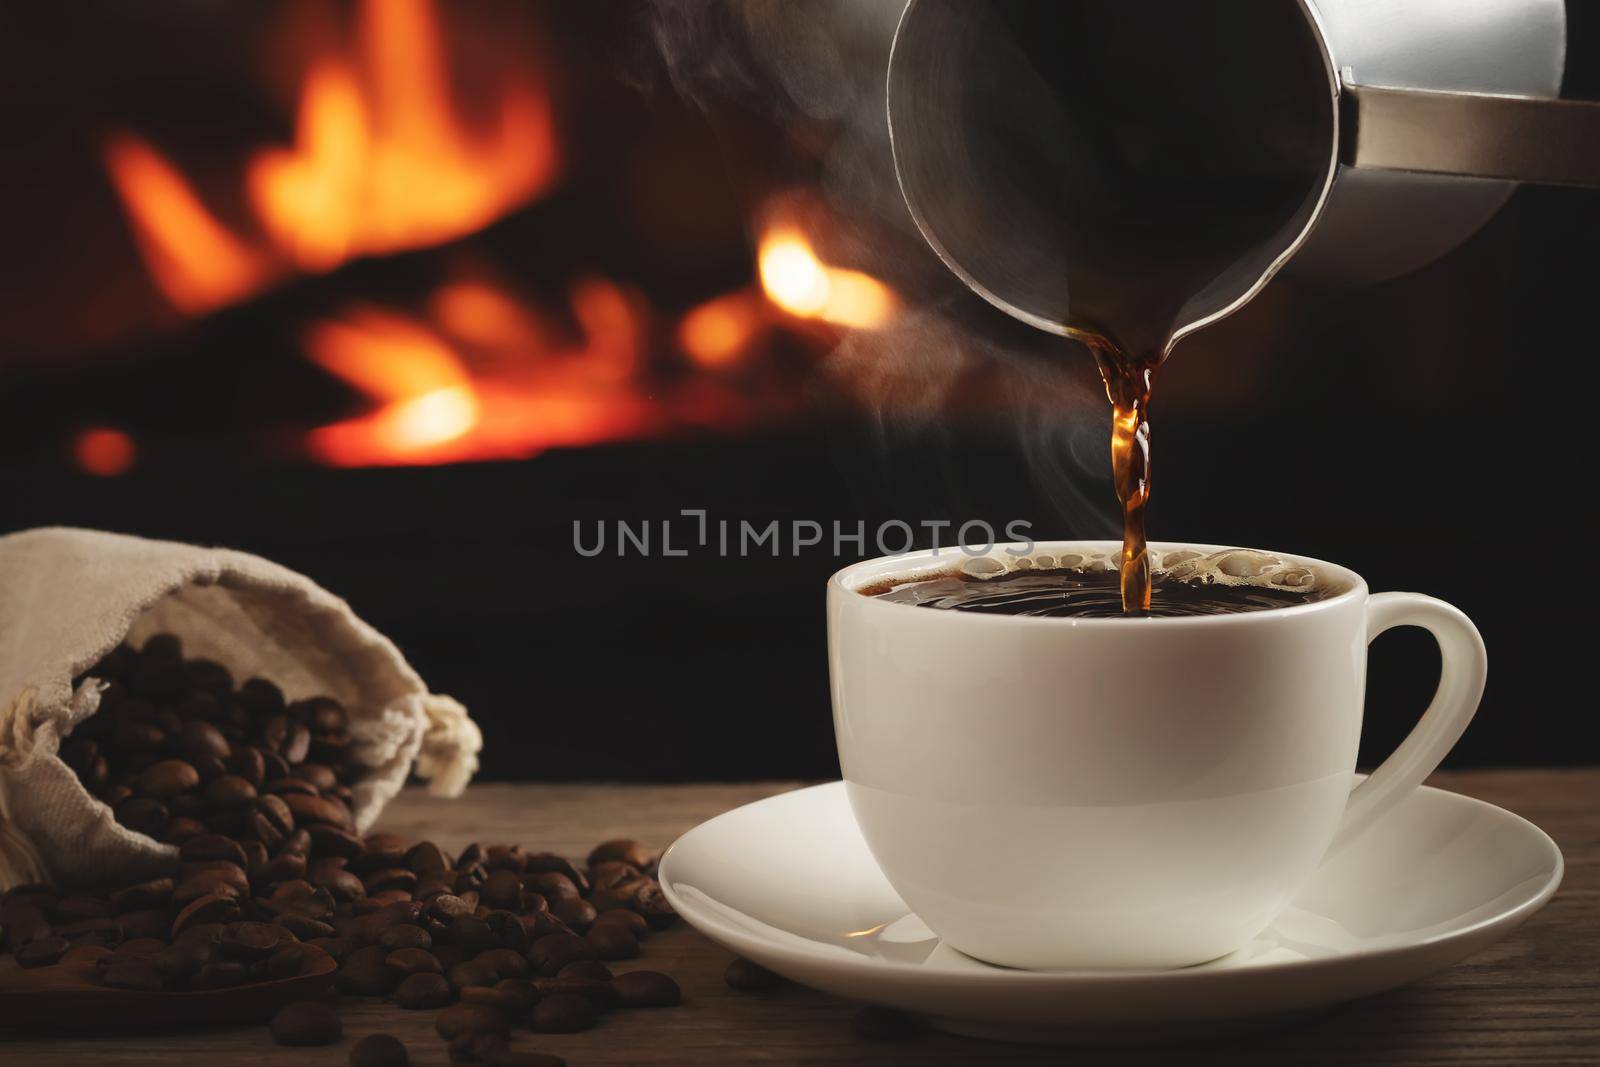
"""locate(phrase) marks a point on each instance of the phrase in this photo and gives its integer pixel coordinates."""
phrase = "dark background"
(1433, 432)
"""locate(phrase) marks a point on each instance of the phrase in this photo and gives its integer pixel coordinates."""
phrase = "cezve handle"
(1479, 135)
(1463, 667)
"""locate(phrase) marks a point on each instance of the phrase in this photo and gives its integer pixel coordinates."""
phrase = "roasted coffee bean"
(749, 977)
(390, 879)
(179, 830)
(646, 989)
(143, 815)
(225, 880)
(329, 749)
(611, 942)
(41, 951)
(550, 863)
(576, 913)
(292, 961)
(592, 969)
(230, 791)
(226, 821)
(472, 935)
(318, 775)
(627, 851)
(303, 927)
(598, 993)
(473, 973)
(177, 962)
(340, 948)
(508, 931)
(553, 886)
(333, 841)
(366, 973)
(618, 895)
(141, 946)
(379, 1050)
(158, 681)
(138, 735)
(274, 766)
(115, 795)
(886, 1024)
(253, 940)
(80, 906)
(522, 991)
(255, 856)
(448, 907)
(132, 972)
(261, 698)
(323, 714)
(328, 875)
(208, 676)
(212, 847)
(292, 784)
(212, 908)
(249, 764)
(447, 955)
(145, 924)
(471, 1019)
(549, 954)
(504, 1001)
(223, 974)
(318, 811)
(410, 961)
(108, 932)
(505, 962)
(209, 932)
(296, 745)
(564, 1013)
(405, 935)
(307, 1022)
(505, 858)
(652, 903)
(424, 989)
(503, 889)
(425, 857)
(626, 919)
(202, 740)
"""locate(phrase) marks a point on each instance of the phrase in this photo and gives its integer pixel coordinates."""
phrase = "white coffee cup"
(1118, 792)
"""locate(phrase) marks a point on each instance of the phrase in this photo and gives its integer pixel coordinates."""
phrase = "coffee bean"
(132, 972)
(472, 1019)
(212, 908)
(212, 847)
(307, 1022)
(426, 858)
(249, 764)
(505, 858)
(224, 974)
(505, 962)
(379, 1050)
(224, 880)
(331, 875)
(503, 889)
(261, 698)
(177, 962)
(333, 841)
(625, 919)
(886, 1024)
(390, 879)
(150, 923)
(292, 961)
(652, 903)
(564, 1013)
(424, 989)
(404, 935)
(208, 676)
(303, 927)
(508, 931)
(366, 973)
(646, 989)
(253, 940)
(474, 1049)
(592, 969)
(472, 973)
(291, 784)
(550, 863)
(42, 952)
(202, 740)
(448, 907)
(553, 886)
(522, 991)
(611, 942)
(504, 1001)
(749, 977)
(472, 935)
(410, 961)
(319, 775)
(551, 953)
(318, 811)
(578, 914)
(177, 831)
(627, 851)
(597, 992)
(141, 946)
(230, 791)
(143, 815)
(80, 906)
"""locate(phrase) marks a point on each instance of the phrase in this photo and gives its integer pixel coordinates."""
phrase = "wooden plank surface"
(1532, 999)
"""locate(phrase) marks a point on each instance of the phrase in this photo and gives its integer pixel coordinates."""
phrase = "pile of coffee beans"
(273, 882)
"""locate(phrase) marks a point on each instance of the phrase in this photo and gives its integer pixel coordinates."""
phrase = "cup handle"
(1463, 666)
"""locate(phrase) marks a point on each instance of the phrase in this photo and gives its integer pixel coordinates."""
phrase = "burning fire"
(800, 283)
(382, 161)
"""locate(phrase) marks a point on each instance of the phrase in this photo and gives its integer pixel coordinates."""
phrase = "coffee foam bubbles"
(1231, 566)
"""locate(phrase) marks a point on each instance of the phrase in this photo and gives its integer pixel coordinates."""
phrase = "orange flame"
(439, 403)
(796, 280)
(717, 333)
(381, 162)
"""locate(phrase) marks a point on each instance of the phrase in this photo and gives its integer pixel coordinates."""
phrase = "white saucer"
(789, 882)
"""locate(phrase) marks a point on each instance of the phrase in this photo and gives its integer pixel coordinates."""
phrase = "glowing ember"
(718, 332)
(801, 284)
(104, 451)
(382, 161)
(485, 398)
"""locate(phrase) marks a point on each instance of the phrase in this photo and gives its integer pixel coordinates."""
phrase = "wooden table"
(1533, 998)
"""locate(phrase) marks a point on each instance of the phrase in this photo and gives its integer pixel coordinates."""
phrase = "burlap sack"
(69, 596)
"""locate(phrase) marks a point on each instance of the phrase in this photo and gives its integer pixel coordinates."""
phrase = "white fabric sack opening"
(67, 597)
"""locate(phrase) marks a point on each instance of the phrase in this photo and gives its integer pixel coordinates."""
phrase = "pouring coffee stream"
(1123, 174)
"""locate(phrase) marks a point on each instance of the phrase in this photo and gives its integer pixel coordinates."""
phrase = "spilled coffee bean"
(273, 883)
(379, 1050)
